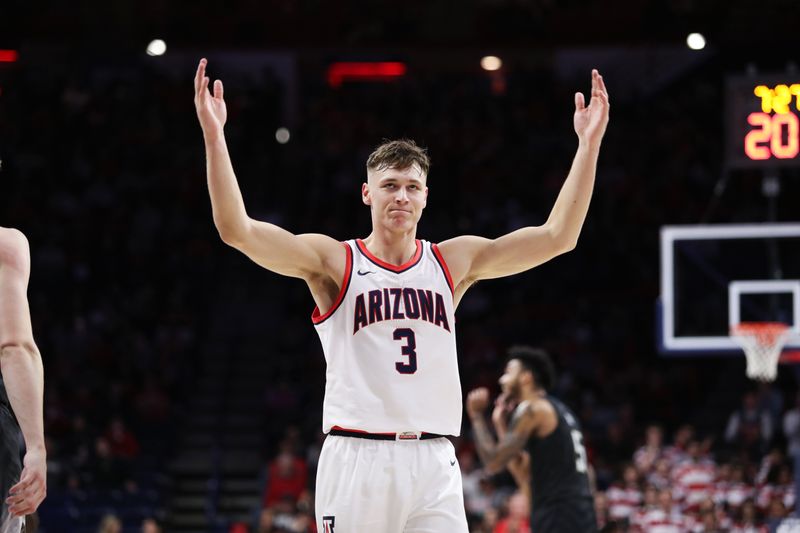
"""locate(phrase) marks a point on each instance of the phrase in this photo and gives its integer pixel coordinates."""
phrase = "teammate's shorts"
(569, 516)
(10, 468)
(389, 487)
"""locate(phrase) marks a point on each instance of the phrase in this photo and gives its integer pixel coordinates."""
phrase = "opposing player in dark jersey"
(545, 428)
(22, 483)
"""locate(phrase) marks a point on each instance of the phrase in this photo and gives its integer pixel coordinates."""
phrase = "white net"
(762, 343)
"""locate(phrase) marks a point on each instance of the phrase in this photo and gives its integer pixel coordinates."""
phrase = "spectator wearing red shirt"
(518, 519)
(288, 478)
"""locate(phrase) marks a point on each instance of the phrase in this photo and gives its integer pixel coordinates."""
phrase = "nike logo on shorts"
(452, 462)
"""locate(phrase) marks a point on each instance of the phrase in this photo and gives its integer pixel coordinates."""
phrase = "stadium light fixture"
(696, 41)
(282, 135)
(157, 47)
(491, 63)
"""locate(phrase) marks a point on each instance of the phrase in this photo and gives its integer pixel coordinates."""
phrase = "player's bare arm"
(21, 367)
(472, 258)
(318, 259)
(519, 465)
(496, 455)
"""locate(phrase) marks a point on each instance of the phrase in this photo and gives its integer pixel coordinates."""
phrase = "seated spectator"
(750, 428)
(736, 490)
(288, 478)
(110, 524)
(651, 451)
(676, 453)
(150, 525)
(106, 470)
(122, 441)
(625, 497)
(518, 517)
(694, 477)
(601, 509)
(746, 519)
(665, 517)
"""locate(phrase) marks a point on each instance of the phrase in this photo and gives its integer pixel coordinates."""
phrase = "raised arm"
(473, 258)
(496, 455)
(21, 367)
(309, 257)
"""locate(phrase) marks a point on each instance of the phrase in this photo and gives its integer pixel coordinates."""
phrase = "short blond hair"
(400, 154)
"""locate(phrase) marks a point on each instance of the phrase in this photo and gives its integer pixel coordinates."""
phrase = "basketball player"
(544, 427)
(385, 315)
(23, 485)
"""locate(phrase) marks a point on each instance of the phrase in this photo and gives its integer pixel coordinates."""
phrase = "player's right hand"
(477, 401)
(24, 497)
(211, 109)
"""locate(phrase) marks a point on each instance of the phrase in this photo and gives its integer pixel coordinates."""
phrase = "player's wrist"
(36, 447)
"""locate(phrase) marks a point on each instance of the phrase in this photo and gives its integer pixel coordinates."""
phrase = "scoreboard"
(763, 121)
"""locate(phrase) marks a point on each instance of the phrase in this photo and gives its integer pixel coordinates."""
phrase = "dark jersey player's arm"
(495, 455)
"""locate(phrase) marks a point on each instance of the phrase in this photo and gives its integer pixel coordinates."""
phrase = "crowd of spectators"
(103, 170)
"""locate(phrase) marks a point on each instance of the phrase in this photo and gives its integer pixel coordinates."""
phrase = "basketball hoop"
(762, 343)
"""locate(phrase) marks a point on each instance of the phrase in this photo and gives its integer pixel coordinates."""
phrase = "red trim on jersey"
(348, 272)
(388, 266)
(443, 264)
(340, 428)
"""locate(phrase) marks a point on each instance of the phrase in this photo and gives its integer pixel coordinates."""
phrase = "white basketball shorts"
(379, 486)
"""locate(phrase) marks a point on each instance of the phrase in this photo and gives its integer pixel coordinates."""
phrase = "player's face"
(510, 380)
(397, 197)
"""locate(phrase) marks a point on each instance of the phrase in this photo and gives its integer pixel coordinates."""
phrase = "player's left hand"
(25, 497)
(477, 401)
(502, 408)
(591, 121)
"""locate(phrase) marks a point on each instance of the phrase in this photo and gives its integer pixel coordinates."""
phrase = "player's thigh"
(362, 485)
(439, 500)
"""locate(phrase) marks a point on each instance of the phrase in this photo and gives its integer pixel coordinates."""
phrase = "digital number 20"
(410, 350)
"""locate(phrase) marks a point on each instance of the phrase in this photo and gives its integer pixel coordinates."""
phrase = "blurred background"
(184, 384)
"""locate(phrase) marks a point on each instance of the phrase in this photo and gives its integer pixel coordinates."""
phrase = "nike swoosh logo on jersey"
(452, 462)
(365, 273)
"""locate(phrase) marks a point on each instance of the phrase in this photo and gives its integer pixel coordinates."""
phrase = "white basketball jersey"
(390, 348)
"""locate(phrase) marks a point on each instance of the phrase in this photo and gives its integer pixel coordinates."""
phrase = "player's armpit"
(472, 258)
(307, 256)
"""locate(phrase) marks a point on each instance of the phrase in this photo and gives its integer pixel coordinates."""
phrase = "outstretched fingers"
(218, 89)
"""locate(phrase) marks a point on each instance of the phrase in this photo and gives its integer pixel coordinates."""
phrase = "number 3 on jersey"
(409, 349)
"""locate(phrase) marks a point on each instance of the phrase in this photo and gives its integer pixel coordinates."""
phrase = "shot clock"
(763, 121)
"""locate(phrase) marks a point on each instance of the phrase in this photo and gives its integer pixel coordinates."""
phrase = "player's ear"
(365, 197)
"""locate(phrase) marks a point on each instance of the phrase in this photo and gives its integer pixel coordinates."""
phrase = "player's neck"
(396, 248)
(533, 395)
